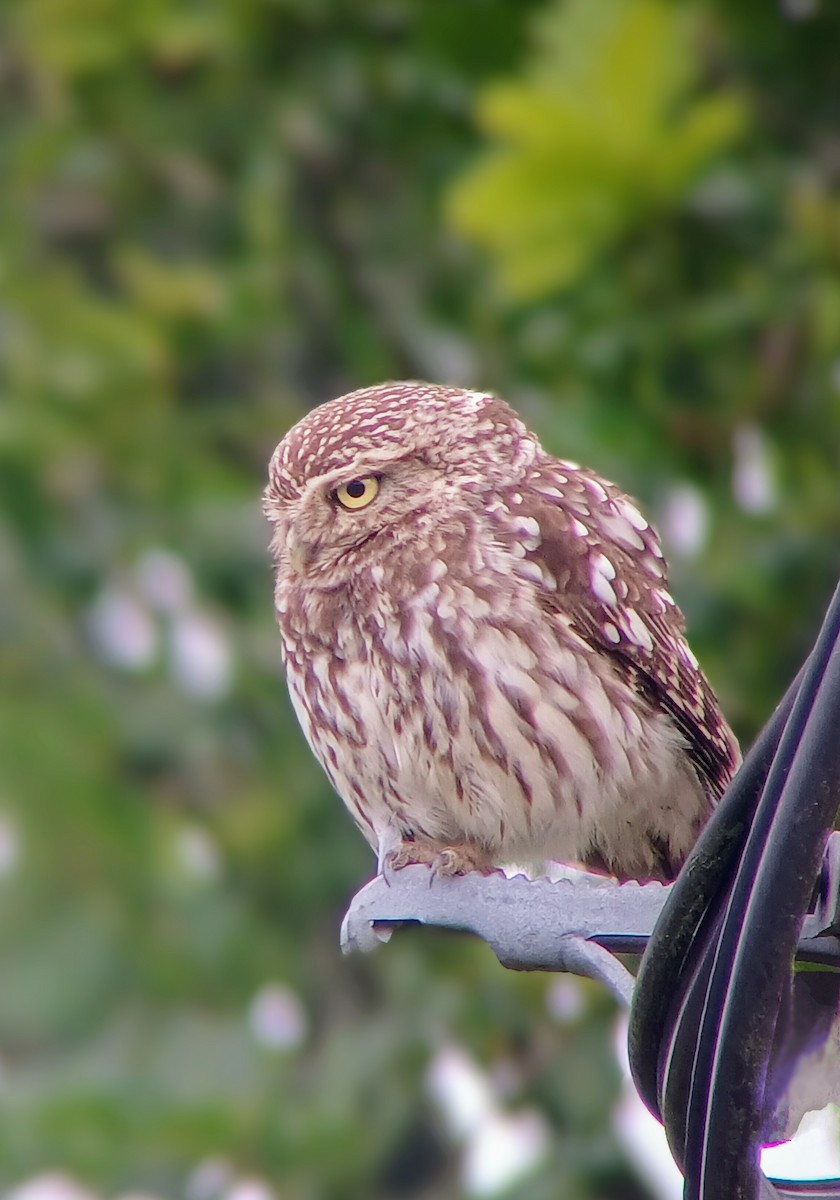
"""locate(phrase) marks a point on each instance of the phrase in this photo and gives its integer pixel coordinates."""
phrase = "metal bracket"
(825, 919)
(576, 924)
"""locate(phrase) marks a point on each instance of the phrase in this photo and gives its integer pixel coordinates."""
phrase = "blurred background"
(623, 215)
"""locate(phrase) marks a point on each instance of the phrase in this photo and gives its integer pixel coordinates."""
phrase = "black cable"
(717, 967)
(754, 954)
(695, 896)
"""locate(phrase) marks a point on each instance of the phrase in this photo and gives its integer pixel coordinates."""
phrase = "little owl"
(480, 644)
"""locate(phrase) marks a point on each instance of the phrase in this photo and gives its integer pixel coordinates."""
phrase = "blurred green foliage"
(212, 217)
(601, 136)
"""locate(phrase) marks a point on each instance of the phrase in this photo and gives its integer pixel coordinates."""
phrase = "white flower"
(753, 483)
(122, 628)
(164, 581)
(201, 660)
(277, 1017)
(684, 520)
(504, 1148)
(250, 1188)
(197, 853)
(52, 1185)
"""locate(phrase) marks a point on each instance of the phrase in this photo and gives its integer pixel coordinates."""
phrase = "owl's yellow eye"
(357, 493)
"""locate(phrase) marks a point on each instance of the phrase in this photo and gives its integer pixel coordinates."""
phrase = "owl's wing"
(603, 569)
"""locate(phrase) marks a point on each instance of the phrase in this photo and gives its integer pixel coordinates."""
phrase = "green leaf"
(600, 135)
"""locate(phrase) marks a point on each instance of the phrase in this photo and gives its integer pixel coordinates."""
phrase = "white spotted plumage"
(485, 659)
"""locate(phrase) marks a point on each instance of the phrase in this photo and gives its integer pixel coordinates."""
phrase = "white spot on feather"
(498, 651)
(636, 629)
(476, 400)
(445, 608)
(603, 566)
(620, 530)
(579, 528)
(632, 514)
(531, 570)
(689, 656)
(603, 589)
(425, 596)
(529, 530)
(611, 633)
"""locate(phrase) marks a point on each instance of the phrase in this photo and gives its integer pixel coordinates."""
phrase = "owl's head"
(392, 459)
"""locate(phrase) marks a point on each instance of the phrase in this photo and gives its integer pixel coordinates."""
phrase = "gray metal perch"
(576, 924)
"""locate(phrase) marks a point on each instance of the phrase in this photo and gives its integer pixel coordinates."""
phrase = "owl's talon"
(386, 872)
(447, 863)
(443, 861)
(395, 860)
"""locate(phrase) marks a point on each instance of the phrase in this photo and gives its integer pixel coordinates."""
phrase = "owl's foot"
(444, 860)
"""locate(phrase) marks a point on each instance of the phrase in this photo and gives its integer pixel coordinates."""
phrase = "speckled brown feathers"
(480, 644)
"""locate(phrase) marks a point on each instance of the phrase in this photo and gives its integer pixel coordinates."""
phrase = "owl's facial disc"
(334, 516)
(356, 504)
